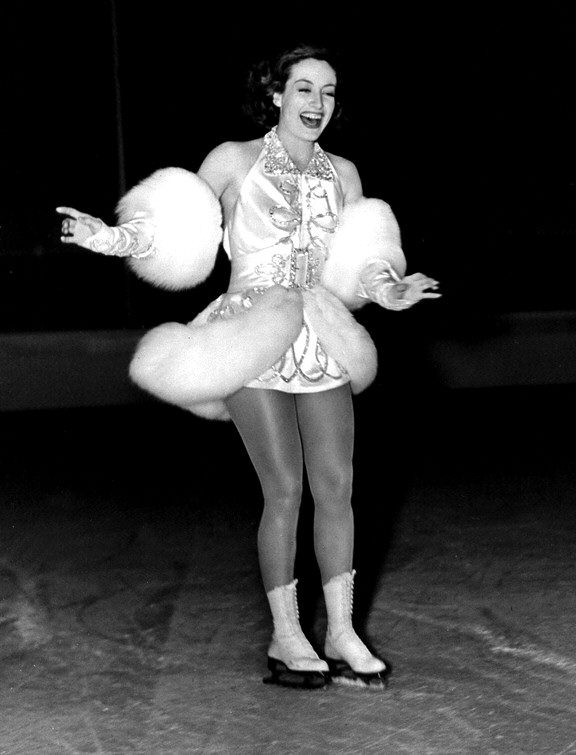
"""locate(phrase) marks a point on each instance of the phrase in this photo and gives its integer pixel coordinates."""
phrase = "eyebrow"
(307, 81)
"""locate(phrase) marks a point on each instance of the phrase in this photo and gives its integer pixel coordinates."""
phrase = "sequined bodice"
(283, 221)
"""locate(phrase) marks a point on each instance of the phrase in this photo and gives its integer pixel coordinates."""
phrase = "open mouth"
(311, 120)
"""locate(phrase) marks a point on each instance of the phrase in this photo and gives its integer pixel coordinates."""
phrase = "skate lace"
(347, 629)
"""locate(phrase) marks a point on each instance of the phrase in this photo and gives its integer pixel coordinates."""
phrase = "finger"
(69, 211)
(68, 226)
(420, 278)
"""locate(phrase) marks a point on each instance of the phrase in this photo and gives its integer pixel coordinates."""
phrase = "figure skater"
(280, 353)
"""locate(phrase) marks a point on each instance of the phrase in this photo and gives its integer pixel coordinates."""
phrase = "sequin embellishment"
(279, 163)
(307, 217)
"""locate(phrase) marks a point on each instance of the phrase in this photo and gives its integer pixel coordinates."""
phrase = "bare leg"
(267, 423)
(326, 421)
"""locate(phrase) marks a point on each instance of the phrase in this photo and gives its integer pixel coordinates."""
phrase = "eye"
(304, 89)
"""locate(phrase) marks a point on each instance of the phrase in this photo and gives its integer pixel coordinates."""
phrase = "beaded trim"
(277, 161)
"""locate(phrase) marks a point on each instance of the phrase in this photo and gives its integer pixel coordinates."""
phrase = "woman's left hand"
(415, 287)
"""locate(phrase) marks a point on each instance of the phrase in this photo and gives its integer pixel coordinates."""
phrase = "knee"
(333, 489)
(283, 494)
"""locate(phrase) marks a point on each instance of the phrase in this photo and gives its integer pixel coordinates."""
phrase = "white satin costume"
(299, 262)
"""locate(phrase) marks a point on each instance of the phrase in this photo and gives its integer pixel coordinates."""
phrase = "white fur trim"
(368, 230)
(188, 227)
(342, 336)
(197, 365)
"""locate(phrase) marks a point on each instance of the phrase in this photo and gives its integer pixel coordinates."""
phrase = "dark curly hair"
(270, 76)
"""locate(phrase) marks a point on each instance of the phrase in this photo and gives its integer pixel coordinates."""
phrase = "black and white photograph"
(287, 379)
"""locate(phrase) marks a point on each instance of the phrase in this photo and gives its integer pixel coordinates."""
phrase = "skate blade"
(372, 683)
(282, 676)
(341, 673)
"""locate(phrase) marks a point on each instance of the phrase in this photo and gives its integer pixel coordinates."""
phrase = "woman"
(305, 247)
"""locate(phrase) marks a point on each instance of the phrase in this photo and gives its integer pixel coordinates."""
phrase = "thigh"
(268, 425)
(326, 421)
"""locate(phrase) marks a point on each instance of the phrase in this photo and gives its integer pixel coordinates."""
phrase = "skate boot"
(349, 659)
(292, 661)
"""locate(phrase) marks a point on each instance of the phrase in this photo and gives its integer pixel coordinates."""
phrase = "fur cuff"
(368, 230)
(197, 365)
(188, 227)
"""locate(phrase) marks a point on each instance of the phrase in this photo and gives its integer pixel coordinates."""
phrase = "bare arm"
(225, 168)
(215, 168)
(349, 178)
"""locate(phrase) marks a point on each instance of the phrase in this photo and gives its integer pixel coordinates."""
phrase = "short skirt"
(271, 337)
(305, 367)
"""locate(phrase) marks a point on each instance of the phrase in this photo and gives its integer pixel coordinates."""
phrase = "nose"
(316, 99)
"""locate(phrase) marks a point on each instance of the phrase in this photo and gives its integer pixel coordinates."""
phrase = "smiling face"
(308, 100)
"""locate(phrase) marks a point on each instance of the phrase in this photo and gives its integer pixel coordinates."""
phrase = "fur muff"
(196, 366)
(188, 227)
(367, 231)
(342, 337)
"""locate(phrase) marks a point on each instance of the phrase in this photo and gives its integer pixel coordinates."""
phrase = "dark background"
(461, 119)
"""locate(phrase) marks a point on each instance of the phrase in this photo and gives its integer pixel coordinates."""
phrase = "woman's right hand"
(78, 227)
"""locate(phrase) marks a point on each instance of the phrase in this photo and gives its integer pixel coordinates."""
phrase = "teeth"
(314, 116)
